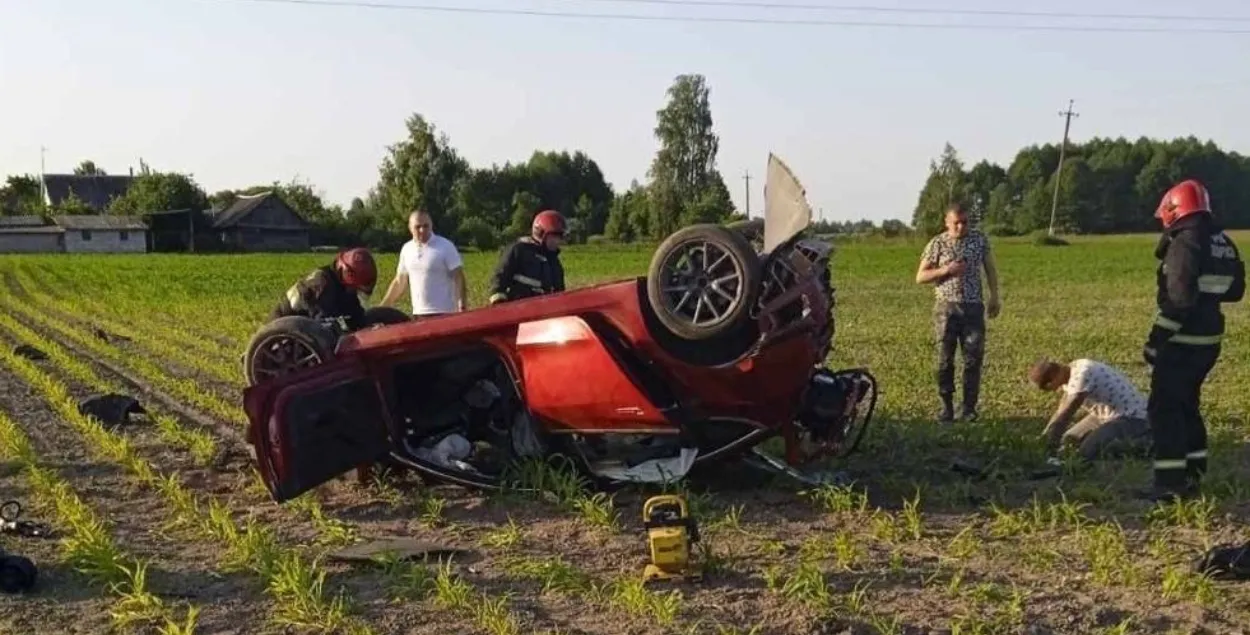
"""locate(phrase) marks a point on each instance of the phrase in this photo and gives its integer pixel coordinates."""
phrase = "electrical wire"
(426, 8)
(808, 6)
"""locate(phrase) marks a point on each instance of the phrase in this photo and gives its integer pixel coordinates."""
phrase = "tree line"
(480, 207)
(1105, 186)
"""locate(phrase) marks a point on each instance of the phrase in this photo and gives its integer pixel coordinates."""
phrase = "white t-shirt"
(430, 267)
(1108, 393)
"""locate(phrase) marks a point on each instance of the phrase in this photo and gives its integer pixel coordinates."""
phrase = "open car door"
(314, 425)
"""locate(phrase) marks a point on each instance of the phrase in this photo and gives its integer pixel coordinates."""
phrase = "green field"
(923, 550)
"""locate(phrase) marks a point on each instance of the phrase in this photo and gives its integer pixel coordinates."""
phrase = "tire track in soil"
(740, 600)
(178, 569)
(63, 600)
(217, 386)
(234, 480)
(60, 279)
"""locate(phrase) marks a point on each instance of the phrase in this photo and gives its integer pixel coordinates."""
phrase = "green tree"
(160, 191)
(22, 194)
(88, 168)
(73, 206)
(1107, 185)
(419, 172)
(685, 182)
(943, 186)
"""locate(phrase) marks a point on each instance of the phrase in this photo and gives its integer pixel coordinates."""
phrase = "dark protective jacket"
(526, 268)
(321, 294)
(1199, 269)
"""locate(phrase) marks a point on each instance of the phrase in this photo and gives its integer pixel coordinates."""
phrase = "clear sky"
(240, 93)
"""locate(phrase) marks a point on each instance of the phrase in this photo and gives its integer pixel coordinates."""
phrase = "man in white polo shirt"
(431, 267)
(1116, 408)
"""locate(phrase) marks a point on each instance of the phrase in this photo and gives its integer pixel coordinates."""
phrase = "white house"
(29, 234)
(103, 234)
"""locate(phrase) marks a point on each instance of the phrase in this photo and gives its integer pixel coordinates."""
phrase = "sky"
(241, 92)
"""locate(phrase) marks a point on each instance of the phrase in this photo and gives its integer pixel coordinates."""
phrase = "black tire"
(752, 229)
(270, 351)
(17, 574)
(378, 315)
(670, 287)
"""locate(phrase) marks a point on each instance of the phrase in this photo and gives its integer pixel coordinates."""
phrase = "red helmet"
(357, 269)
(547, 222)
(1185, 198)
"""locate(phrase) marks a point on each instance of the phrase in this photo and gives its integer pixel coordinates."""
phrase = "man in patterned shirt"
(952, 262)
(1116, 409)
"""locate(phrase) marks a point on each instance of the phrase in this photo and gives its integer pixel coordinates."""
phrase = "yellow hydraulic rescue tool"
(671, 535)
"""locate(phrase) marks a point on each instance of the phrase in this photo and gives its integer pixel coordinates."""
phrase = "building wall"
(106, 241)
(29, 243)
(255, 239)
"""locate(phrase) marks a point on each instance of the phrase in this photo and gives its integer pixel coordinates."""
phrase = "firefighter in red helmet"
(1199, 269)
(333, 290)
(531, 265)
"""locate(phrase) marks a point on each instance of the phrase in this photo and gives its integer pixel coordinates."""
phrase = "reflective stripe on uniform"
(1199, 340)
(1169, 324)
(528, 281)
(292, 296)
(1211, 283)
(1200, 454)
(1170, 464)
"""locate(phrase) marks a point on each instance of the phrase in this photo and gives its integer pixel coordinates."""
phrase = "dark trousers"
(1180, 434)
(962, 325)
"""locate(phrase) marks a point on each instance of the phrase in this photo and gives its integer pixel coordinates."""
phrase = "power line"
(378, 5)
(807, 6)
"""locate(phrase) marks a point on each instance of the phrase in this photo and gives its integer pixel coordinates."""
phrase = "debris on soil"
(399, 548)
(10, 511)
(112, 409)
(1226, 562)
(18, 574)
(29, 352)
(105, 336)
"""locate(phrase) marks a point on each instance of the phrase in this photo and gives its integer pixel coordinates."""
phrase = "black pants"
(1180, 434)
(962, 325)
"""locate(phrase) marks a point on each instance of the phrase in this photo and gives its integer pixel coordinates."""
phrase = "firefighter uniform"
(321, 294)
(1199, 268)
(526, 269)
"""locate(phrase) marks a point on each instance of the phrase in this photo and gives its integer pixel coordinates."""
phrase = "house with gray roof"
(73, 234)
(103, 234)
(29, 234)
(260, 222)
(96, 190)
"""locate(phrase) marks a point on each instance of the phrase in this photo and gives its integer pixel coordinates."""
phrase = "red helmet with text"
(357, 269)
(547, 222)
(1185, 198)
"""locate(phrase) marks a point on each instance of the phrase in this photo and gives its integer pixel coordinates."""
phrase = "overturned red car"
(720, 347)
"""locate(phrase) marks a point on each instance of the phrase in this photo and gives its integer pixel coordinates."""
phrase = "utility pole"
(746, 176)
(1067, 123)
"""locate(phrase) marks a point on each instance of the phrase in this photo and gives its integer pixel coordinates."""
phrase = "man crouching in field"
(1116, 416)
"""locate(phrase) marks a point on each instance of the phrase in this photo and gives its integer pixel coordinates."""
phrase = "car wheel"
(752, 229)
(703, 281)
(379, 315)
(285, 345)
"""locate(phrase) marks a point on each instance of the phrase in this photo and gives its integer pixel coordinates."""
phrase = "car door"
(315, 425)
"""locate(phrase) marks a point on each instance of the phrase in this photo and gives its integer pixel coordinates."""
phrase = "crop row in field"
(914, 547)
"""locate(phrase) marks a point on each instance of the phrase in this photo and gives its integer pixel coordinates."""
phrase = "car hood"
(786, 211)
